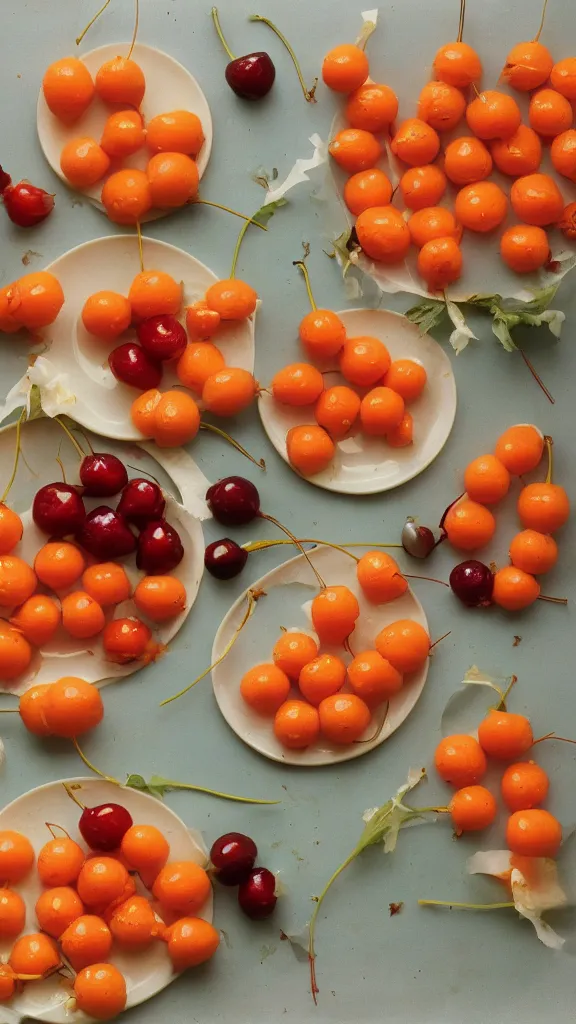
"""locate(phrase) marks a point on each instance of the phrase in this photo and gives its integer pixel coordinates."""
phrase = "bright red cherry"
(58, 509)
(106, 535)
(225, 559)
(140, 501)
(102, 475)
(233, 501)
(104, 827)
(233, 856)
(162, 337)
(25, 204)
(257, 895)
(159, 548)
(131, 365)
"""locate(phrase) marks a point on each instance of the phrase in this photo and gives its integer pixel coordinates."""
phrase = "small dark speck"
(395, 908)
(284, 787)
(18, 76)
(517, 640)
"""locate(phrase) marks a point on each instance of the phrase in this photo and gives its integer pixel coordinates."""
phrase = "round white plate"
(102, 403)
(169, 86)
(146, 973)
(64, 655)
(367, 465)
(288, 608)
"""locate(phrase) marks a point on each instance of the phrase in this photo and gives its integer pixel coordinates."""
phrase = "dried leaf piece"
(467, 707)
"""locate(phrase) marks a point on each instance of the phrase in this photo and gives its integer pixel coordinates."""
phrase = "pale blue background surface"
(420, 967)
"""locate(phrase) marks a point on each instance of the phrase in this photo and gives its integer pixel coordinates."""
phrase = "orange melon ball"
(383, 234)
(173, 179)
(524, 248)
(32, 709)
(126, 196)
(407, 378)
(179, 131)
(296, 724)
(264, 688)
(142, 411)
(405, 644)
(160, 597)
(153, 293)
(199, 361)
(17, 581)
(68, 89)
(83, 162)
(176, 419)
(106, 315)
(373, 678)
(121, 80)
(11, 529)
(37, 619)
(72, 706)
(59, 564)
(15, 652)
(107, 583)
(123, 134)
(481, 207)
(292, 651)
(344, 718)
(372, 107)
(322, 677)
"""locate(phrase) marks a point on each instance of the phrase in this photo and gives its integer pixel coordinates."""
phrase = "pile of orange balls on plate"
(89, 908)
(495, 137)
(335, 701)
(173, 140)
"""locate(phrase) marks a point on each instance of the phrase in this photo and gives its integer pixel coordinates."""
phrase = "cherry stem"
(298, 544)
(82, 756)
(138, 469)
(536, 375)
(553, 600)
(308, 93)
(411, 576)
(62, 470)
(461, 21)
(313, 919)
(216, 21)
(90, 23)
(504, 696)
(140, 246)
(216, 792)
(549, 443)
(466, 906)
(252, 598)
(376, 734)
(227, 209)
(261, 545)
(304, 271)
(135, 32)
(9, 711)
(537, 36)
(235, 444)
(51, 825)
(71, 437)
(72, 797)
(552, 736)
(8, 487)
(443, 637)
(79, 430)
(445, 513)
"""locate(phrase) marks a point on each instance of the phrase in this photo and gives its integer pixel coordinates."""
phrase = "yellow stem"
(465, 906)
(304, 271)
(549, 443)
(235, 444)
(298, 544)
(70, 437)
(135, 32)
(249, 612)
(90, 23)
(537, 36)
(140, 246)
(7, 489)
(216, 21)
(461, 21)
(216, 792)
(227, 209)
(92, 767)
(308, 93)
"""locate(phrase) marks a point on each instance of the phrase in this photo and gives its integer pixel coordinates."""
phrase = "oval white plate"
(146, 973)
(169, 86)
(367, 465)
(281, 608)
(102, 403)
(64, 655)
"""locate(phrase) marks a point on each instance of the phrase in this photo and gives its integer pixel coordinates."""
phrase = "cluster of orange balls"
(323, 708)
(461, 760)
(389, 386)
(31, 302)
(89, 905)
(543, 508)
(497, 137)
(174, 139)
(85, 594)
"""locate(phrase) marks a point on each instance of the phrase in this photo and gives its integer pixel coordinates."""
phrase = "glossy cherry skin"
(473, 583)
(224, 559)
(25, 204)
(162, 337)
(417, 541)
(104, 827)
(256, 896)
(102, 475)
(159, 548)
(58, 510)
(252, 76)
(140, 501)
(131, 365)
(233, 856)
(106, 535)
(233, 501)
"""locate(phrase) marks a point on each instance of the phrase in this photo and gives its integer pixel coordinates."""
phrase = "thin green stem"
(249, 611)
(536, 376)
(313, 919)
(466, 906)
(90, 23)
(552, 736)
(51, 825)
(235, 444)
(304, 271)
(537, 36)
(92, 767)
(216, 792)
(227, 209)
(216, 21)
(308, 93)
(70, 437)
(298, 544)
(8, 487)
(461, 21)
(236, 252)
(140, 246)
(71, 795)
(135, 32)
(261, 545)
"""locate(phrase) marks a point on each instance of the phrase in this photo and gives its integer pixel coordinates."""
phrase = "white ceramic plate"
(169, 86)
(146, 973)
(289, 588)
(367, 465)
(64, 655)
(102, 403)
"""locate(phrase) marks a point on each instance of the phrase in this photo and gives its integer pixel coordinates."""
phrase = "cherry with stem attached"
(102, 827)
(25, 204)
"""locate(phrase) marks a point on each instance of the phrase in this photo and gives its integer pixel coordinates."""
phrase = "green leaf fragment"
(263, 215)
(427, 314)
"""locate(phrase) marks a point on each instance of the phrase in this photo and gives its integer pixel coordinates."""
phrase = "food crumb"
(517, 640)
(395, 908)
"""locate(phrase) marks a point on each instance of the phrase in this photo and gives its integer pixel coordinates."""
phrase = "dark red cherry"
(225, 559)
(252, 76)
(473, 583)
(162, 337)
(102, 475)
(159, 548)
(131, 365)
(256, 896)
(106, 535)
(233, 501)
(104, 827)
(140, 501)
(58, 509)
(417, 540)
(233, 856)
(25, 204)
